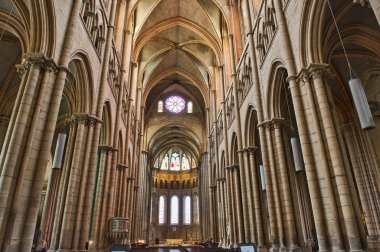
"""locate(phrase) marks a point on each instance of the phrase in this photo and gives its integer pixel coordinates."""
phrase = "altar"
(174, 241)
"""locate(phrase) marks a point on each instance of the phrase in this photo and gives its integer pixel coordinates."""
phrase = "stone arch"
(106, 129)
(80, 84)
(234, 149)
(251, 127)
(275, 91)
(42, 27)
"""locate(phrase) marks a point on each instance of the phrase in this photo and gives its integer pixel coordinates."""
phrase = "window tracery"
(175, 104)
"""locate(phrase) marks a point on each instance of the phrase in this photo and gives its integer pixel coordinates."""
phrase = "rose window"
(175, 104)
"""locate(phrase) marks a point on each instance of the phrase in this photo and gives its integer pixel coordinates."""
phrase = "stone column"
(68, 220)
(230, 202)
(290, 228)
(62, 189)
(336, 158)
(106, 204)
(79, 241)
(250, 210)
(369, 216)
(17, 161)
(323, 172)
(265, 152)
(237, 194)
(276, 192)
(259, 229)
(99, 197)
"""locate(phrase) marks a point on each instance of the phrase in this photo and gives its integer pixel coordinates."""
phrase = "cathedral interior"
(165, 122)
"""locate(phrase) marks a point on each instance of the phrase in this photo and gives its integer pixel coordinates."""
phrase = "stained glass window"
(165, 163)
(193, 163)
(187, 210)
(175, 162)
(189, 107)
(175, 104)
(174, 210)
(161, 210)
(156, 164)
(160, 107)
(185, 162)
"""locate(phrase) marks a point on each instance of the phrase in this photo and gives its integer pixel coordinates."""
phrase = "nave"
(160, 121)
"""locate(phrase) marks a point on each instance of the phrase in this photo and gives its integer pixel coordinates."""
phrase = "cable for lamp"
(340, 38)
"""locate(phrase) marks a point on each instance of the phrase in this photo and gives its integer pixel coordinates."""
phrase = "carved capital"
(80, 119)
(104, 148)
(318, 71)
(277, 122)
(252, 150)
(121, 167)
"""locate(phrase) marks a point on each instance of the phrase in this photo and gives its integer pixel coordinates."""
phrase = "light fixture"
(297, 155)
(263, 185)
(60, 147)
(361, 104)
(356, 88)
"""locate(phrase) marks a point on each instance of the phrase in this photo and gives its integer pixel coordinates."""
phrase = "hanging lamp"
(59, 149)
(263, 185)
(356, 88)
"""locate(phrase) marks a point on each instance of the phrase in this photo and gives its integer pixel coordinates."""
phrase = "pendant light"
(59, 149)
(263, 185)
(297, 154)
(356, 88)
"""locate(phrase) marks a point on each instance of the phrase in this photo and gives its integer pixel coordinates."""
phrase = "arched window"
(161, 210)
(175, 162)
(174, 210)
(196, 209)
(165, 163)
(185, 162)
(193, 163)
(160, 107)
(189, 107)
(187, 210)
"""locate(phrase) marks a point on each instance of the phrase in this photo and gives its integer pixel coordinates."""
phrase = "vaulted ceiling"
(177, 44)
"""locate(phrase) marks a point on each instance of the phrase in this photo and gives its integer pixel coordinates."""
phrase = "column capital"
(303, 75)
(265, 124)
(37, 60)
(104, 148)
(252, 149)
(80, 118)
(232, 167)
(277, 122)
(121, 167)
(317, 71)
